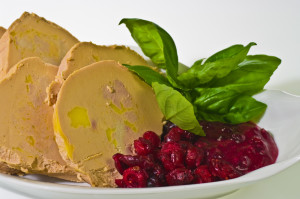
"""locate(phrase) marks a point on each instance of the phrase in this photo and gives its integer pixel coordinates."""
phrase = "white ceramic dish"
(281, 118)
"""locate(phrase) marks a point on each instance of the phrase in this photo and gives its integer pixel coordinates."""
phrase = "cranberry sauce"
(226, 152)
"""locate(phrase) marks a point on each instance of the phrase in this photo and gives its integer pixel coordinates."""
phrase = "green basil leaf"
(217, 66)
(221, 100)
(225, 105)
(251, 75)
(177, 108)
(148, 38)
(230, 52)
(148, 75)
(170, 53)
(157, 44)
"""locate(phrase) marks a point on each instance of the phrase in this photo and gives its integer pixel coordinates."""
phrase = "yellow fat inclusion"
(79, 117)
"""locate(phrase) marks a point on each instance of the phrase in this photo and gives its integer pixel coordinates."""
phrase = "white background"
(199, 28)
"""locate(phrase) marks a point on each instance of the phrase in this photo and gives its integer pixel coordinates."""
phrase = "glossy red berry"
(194, 157)
(120, 183)
(179, 176)
(227, 151)
(202, 175)
(135, 177)
(172, 156)
(174, 135)
(143, 146)
(153, 138)
(120, 166)
(223, 170)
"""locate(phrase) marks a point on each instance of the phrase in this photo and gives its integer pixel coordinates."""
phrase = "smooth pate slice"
(86, 53)
(33, 36)
(100, 110)
(4, 168)
(26, 130)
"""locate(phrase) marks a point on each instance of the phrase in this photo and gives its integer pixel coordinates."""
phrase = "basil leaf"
(148, 75)
(177, 108)
(217, 66)
(148, 38)
(231, 51)
(157, 44)
(220, 99)
(170, 53)
(240, 109)
(251, 75)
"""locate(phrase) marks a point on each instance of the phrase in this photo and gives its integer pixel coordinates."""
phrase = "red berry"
(143, 146)
(222, 169)
(120, 166)
(145, 162)
(174, 135)
(153, 138)
(135, 177)
(120, 183)
(130, 160)
(179, 176)
(202, 175)
(194, 157)
(160, 173)
(228, 151)
(154, 181)
(172, 156)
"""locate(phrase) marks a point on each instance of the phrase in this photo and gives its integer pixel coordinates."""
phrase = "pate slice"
(100, 110)
(26, 130)
(4, 168)
(2, 31)
(86, 53)
(33, 36)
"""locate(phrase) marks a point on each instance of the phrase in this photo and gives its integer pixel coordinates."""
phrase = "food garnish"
(219, 88)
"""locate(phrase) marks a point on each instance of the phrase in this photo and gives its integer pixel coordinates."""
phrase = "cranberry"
(154, 181)
(135, 177)
(222, 169)
(153, 138)
(143, 146)
(179, 176)
(172, 156)
(174, 135)
(120, 183)
(226, 152)
(120, 166)
(194, 157)
(202, 175)
(130, 160)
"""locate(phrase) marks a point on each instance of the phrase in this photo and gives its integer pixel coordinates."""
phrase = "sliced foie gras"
(26, 129)
(86, 53)
(30, 36)
(100, 110)
(2, 31)
(4, 168)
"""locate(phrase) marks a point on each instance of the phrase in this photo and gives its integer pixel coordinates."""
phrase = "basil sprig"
(218, 88)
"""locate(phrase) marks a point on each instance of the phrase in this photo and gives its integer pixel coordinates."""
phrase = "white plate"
(281, 118)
